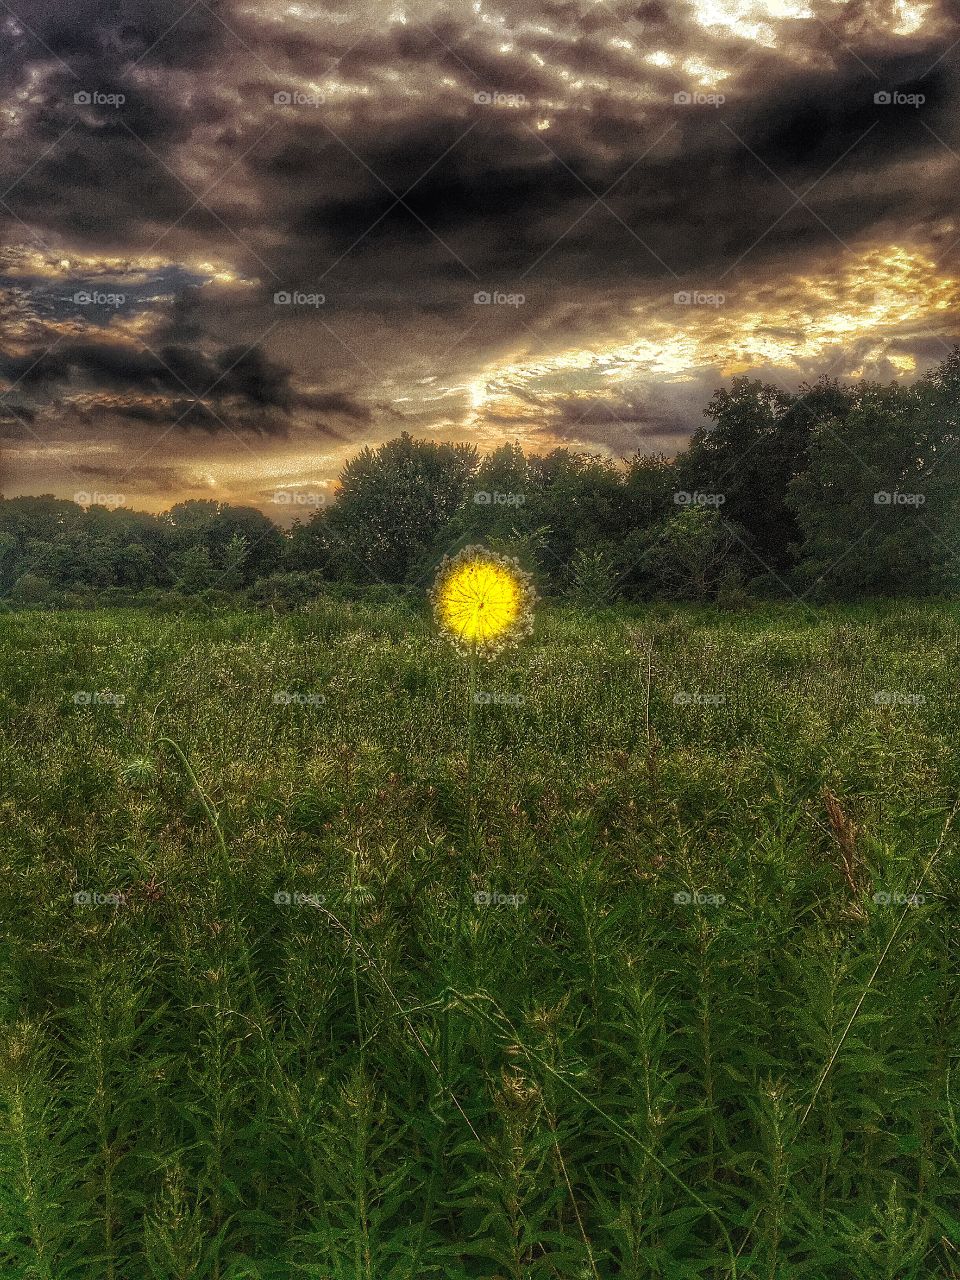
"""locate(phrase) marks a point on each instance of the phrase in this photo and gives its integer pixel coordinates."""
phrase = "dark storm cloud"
(504, 196)
(237, 381)
(717, 184)
(167, 483)
(929, 348)
(69, 295)
(159, 480)
(581, 416)
(337, 402)
(107, 101)
(248, 375)
(117, 33)
(16, 415)
(644, 417)
(401, 195)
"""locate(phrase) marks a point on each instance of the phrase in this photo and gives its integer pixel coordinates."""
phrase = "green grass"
(389, 1080)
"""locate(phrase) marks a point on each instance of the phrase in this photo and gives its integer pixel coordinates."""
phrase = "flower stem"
(454, 958)
(463, 877)
(471, 722)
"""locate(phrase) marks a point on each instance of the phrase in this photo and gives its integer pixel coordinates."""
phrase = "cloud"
(344, 151)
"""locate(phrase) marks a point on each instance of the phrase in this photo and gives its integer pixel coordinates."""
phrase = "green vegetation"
(836, 491)
(383, 1078)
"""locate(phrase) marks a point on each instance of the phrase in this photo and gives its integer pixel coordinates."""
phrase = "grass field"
(288, 1040)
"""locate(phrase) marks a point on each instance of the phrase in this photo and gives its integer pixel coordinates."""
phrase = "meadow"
(680, 1001)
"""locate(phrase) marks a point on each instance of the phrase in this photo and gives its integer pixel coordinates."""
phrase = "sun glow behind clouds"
(885, 295)
(758, 20)
(910, 16)
(750, 19)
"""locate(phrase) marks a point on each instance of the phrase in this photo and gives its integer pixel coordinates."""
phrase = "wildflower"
(483, 600)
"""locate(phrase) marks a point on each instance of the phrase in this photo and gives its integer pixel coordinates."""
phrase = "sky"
(240, 242)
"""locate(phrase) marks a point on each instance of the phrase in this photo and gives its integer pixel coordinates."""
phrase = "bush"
(288, 590)
(29, 588)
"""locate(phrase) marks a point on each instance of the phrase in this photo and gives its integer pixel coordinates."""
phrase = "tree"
(307, 547)
(753, 452)
(578, 500)
(29, 588)
(193, 568)
(692, 555)
(649, 486)
(215, 526)
(878, 503)
(499, 503)
(394, 506)
(135, 567)
(8, 558)
(234, 560)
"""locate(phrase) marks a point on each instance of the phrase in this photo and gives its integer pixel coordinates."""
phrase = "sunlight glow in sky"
(397, 162)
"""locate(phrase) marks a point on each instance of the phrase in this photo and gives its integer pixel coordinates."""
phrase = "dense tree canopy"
(832, 490)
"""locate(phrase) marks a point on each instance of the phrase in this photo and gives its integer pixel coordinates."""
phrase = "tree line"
(836, 490)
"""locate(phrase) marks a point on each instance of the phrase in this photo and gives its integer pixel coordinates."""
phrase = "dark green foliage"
(879, 503)
(782, 496)
(393, 505)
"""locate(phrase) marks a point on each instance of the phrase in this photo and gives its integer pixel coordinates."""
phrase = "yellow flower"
(483, 600)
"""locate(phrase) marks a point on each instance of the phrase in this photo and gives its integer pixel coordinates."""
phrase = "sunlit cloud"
(598, 159)
(872, 305)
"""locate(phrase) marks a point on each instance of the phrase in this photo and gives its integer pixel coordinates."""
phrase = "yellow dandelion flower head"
(482, 600)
